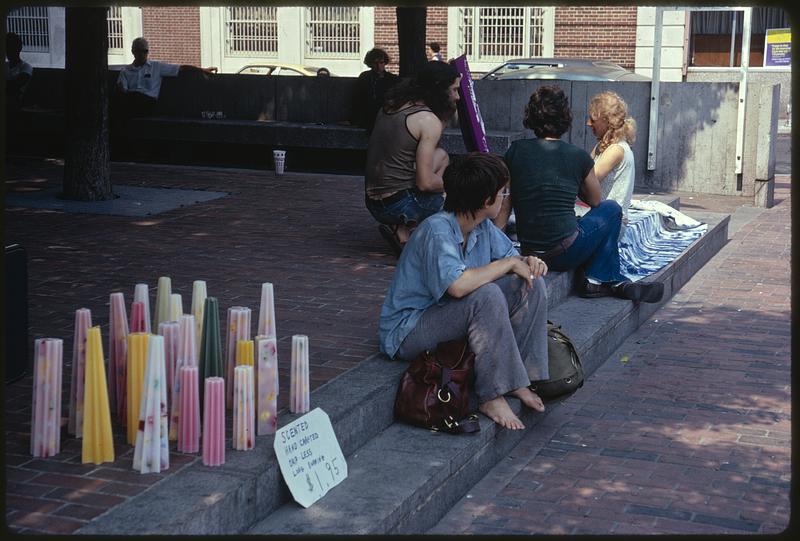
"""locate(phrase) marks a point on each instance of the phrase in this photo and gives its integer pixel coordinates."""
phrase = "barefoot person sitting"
(460, 276)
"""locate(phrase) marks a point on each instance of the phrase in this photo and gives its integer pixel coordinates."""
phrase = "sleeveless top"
(392, 153)
(618, 184)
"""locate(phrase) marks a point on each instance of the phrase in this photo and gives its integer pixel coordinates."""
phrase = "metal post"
(652, 138)
(745, 65)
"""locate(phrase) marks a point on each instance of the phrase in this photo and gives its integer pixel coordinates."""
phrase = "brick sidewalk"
(686, 429)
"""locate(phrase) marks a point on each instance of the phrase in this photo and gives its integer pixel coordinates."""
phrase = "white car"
(280, 69)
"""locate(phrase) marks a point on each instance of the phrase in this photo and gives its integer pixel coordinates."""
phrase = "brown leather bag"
(434, 391)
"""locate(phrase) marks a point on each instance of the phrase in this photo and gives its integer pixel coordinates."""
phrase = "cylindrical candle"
(170, 330)
(98, 442)
(238, 329)
(243, 408)
(267, 385)
(83, 321)
(137, 361)
(244, 352)
(210, 357)
(175, 307)
(187, 356)
(266, 312)
(163, 300)
(299, 389)
(198, 307)
(189, 423)
(214, 422)
(139, 322)
(46, 409)
(151, 453)
(117, 354)
(141, 293)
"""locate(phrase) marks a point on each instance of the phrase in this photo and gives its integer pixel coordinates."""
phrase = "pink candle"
(189, 425)
(170, 330)
(117, 355)
(243, 409)
(266, 312)
(267, 354)
(83, 320)
(187, 356)
(142, 294)
(214, 422)
(299, 390)
(238, 329)
(138, 317)
(46, 409)
(151, 453)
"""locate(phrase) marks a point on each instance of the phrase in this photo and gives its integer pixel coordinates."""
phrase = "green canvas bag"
(566, 371)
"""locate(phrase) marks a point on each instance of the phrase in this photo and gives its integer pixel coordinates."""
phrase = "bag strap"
(561, 337)
(467, 425)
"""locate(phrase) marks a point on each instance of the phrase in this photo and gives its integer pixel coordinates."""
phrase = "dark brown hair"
(471, 179)
(548, 113)
(375, 54)
(428, 85)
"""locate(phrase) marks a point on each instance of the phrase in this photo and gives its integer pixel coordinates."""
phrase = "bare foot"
(529, 398)
(500, 412)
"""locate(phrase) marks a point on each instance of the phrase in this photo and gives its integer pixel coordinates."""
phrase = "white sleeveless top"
(618, 184)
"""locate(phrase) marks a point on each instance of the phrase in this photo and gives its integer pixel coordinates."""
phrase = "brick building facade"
(173, 33)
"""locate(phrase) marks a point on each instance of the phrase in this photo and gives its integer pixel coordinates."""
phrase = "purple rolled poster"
(469, 115)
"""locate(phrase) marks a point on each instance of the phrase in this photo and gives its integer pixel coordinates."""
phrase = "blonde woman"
(614, 165)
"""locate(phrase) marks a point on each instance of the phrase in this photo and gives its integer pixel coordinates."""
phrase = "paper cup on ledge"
(279, 157)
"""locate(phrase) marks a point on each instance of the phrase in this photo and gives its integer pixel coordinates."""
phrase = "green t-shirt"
(545, 178)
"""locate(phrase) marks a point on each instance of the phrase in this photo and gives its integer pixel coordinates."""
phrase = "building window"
(31, 24)
(494, 34)
(115, 43)
(251, 31)
(333, 32)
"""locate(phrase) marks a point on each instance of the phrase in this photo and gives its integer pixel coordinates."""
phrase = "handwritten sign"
(309, 456)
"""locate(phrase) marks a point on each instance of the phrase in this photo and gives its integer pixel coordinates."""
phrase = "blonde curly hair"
(611, 108)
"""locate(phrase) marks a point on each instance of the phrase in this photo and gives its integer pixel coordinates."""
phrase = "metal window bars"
(333, 32)
(251, 31)
(115, 38)
(494, 34)
(32, 25)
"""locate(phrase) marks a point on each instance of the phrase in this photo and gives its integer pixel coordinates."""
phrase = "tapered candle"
(137, 361)
(170, 330)
(139, 321)
(151, 453)
(175, 307)
(267, 385)
(243, 408)
(46, 409)
(98, 442)
(141, 293)
(83, 320)
(266, 313)
(187, 356)
(163, 300)
(188, 427)
(238, 329)
(117, 355)
(198, 307)
(210, 355)
(214, 422)
(299, 390)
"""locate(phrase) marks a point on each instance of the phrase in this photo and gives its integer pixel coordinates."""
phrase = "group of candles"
(152, 384)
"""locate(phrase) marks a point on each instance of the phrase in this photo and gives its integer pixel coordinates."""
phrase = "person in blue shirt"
(460, 276)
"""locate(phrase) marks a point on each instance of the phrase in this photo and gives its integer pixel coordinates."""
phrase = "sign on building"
(778, 47)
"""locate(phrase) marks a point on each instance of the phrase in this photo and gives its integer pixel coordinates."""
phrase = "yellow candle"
(244, 353)
(137, 361)
(98, 442)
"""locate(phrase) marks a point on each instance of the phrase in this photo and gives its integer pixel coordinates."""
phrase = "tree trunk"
(87, 175)
(411, 23)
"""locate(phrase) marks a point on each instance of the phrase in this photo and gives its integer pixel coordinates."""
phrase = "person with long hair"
(403, 173)
(371, 88)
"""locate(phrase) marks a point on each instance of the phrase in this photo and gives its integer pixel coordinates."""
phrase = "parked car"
(571, 69)
(279, 69)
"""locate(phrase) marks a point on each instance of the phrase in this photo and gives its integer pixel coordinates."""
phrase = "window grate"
(31, 24)
(495, 34)
(251, 31)
(333, 32)
(114, 17)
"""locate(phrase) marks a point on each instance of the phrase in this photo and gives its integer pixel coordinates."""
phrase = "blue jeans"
(410, 210)
(596, 244)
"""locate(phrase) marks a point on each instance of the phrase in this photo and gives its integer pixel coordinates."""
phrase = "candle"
(83, 320)
(244, 352)
(198, 307)
(98, 442)
(151, 453)
(189, 424)
(267, 385)
(141, 293)
(238, 329)
(210, 356)
(170, 330)
(243, 410)
(187, 356)
(266, 313)
(138, 317)
(163, 299)
(175, 307)
(117, 355)
(137, 360)
(214, 422)
(46, 409)
(299, 399)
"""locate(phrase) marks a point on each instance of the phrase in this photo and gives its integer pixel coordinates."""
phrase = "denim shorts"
(410, 210)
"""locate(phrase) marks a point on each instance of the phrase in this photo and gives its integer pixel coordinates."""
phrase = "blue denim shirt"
(431, 261)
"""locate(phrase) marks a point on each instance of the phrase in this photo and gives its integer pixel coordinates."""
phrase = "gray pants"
(506, 326)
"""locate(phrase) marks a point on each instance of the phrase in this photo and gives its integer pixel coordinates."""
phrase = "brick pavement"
(686, 429)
